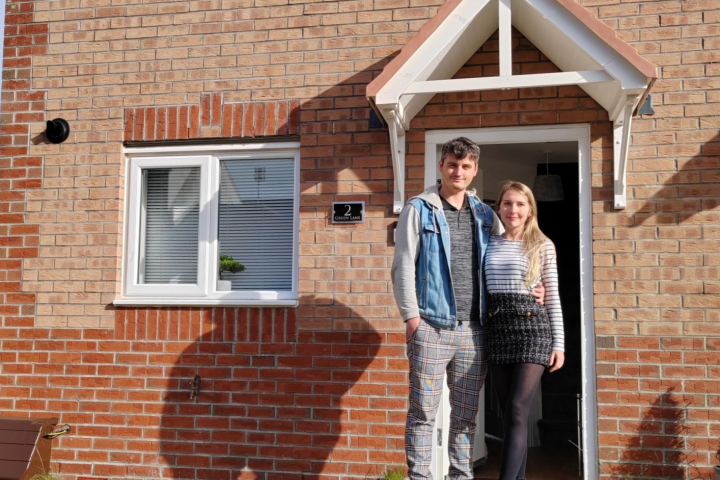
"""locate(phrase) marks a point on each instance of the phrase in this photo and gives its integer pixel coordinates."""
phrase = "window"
(169, 225)
(185, 211)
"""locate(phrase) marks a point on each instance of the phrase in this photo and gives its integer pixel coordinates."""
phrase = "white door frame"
(579, 133)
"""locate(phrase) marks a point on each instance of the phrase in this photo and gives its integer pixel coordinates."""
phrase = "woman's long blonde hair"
(533, 238)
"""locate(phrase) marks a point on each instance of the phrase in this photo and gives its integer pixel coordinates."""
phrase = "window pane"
(256, 222)
(172, 207)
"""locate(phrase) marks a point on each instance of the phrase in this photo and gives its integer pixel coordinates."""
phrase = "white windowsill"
(201, 302)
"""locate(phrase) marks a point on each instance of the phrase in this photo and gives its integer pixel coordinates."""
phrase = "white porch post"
(397, 147)
(621, 146)
(505, 27)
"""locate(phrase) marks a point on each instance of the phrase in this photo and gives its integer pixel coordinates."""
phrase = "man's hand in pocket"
(410, 326)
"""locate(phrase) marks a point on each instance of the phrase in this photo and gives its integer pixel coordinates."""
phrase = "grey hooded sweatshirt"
(407, 249)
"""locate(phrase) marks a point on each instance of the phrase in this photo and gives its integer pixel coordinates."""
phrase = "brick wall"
(273, 402)
(20, 170)
(120, 376)
(656, 262)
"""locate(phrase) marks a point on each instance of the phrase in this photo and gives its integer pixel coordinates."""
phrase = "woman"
(523, 337)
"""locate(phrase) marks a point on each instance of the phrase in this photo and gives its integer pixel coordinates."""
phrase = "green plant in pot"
(230, 265)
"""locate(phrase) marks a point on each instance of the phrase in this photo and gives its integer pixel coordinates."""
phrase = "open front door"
(563, 437)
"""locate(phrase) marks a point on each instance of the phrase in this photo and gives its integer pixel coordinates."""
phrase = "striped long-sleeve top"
(506, 266)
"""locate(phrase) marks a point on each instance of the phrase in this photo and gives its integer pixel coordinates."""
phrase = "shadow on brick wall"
(674, 220)
(658, 449)
(272, 402)
(680, 187)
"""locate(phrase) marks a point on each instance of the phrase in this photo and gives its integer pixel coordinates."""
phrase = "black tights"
(515, 385)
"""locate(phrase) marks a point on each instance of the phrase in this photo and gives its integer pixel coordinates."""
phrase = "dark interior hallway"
(543, 463)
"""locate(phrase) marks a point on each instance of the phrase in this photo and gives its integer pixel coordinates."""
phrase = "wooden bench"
(24, 452)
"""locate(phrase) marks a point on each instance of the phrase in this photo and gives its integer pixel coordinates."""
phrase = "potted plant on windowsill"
(228, 264)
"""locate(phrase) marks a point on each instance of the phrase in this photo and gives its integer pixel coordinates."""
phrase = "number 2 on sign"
(347, 214)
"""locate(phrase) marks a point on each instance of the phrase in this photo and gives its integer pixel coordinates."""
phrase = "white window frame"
(135, 229)
(204, 292)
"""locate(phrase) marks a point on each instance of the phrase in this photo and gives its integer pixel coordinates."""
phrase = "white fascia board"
(431, 51)
(574, 31)
(513, 81)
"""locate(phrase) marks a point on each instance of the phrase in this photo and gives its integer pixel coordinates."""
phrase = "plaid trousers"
(432, 352)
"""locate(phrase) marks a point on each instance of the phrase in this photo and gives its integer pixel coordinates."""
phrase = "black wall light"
(58, 130)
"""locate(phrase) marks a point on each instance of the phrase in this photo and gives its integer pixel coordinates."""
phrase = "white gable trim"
(582, 51)
(510, 81)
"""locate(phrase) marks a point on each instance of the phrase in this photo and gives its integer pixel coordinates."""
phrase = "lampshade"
(548, 188)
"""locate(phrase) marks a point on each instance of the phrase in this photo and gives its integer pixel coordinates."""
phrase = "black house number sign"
(348, 212)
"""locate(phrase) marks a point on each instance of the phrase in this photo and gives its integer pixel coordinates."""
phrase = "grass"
(394, 473)
(45, 476)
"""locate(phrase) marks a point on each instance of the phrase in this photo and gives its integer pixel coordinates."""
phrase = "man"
(440, 242)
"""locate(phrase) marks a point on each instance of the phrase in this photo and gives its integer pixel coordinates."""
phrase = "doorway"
(563, 416)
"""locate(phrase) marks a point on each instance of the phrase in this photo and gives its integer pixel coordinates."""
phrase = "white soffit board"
(454, 55)
(562, 50)
(565, 39)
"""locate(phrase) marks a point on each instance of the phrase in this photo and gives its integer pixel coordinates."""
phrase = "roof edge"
(644, 96)
(411, 47)
(595, 25)
(609, 36)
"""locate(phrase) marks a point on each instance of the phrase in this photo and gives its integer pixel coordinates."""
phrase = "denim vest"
(433, 282)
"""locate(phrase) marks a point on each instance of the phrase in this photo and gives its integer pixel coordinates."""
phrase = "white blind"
(256, 221)
(172, 207)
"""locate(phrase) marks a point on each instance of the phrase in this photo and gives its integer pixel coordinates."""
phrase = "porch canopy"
(587, 52)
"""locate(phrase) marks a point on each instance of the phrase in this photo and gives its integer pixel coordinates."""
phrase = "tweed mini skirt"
(518, 330)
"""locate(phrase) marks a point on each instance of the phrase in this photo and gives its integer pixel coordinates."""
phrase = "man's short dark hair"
(461, 147)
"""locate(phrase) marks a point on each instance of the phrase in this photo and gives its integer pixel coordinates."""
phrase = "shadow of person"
(273, 402)
(673, 218)
(658, 449)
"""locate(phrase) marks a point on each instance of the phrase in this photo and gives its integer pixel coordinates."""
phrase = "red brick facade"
(321, 389)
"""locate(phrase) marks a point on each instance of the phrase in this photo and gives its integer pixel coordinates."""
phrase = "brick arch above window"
(212, 118)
